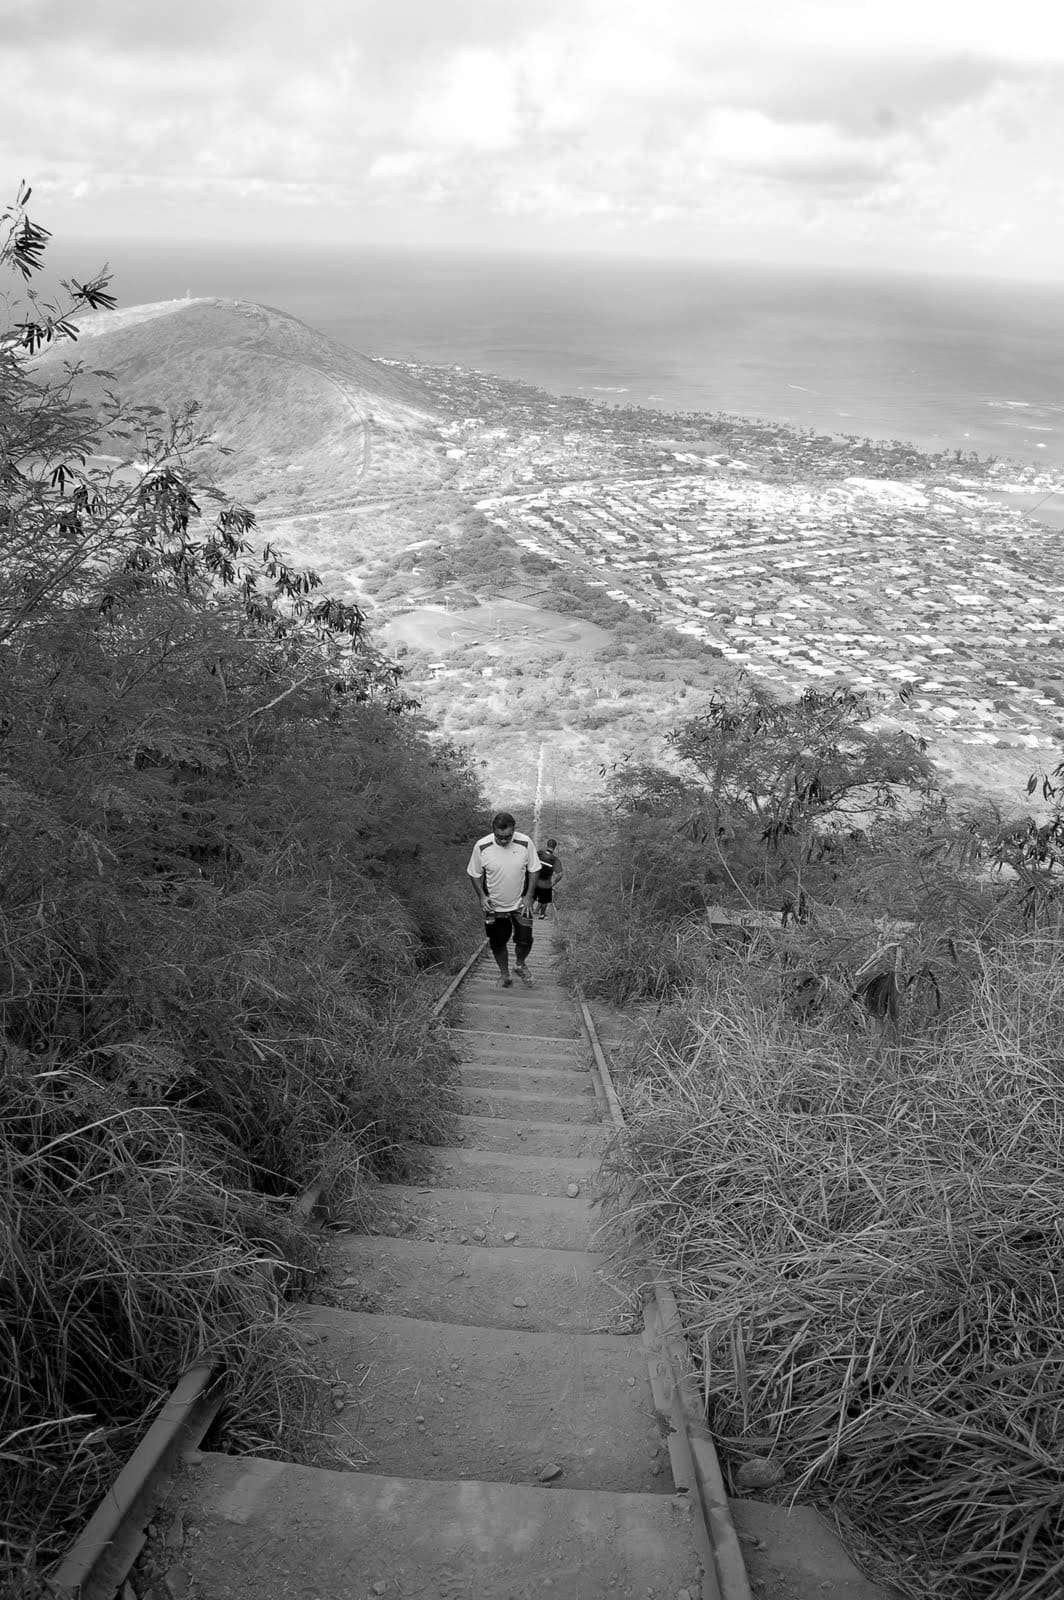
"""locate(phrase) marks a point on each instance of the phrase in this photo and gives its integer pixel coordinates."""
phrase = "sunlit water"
(955, 364)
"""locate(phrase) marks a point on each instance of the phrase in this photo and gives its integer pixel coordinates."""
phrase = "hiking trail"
(490, 1380)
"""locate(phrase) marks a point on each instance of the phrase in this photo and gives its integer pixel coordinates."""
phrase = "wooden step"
(516, 1012)
(528, 1077)
(266, 1528)
(455, 1215)
(537, 1138)
(441, 1400)
(489, 1050)
(454, 1167)
(568, 1290)
(474, 1102)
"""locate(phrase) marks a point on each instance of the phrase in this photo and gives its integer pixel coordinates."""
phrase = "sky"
(924, 135)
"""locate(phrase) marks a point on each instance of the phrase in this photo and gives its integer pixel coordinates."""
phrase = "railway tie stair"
(497, 1410)
(507, 1436)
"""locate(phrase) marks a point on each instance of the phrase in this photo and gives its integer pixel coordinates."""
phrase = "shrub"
(632, 929)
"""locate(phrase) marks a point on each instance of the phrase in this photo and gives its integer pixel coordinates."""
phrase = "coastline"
(949, 363)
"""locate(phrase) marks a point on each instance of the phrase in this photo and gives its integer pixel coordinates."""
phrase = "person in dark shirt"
(550, 874)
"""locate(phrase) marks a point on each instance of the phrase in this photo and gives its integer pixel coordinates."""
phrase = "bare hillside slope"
(311, 424)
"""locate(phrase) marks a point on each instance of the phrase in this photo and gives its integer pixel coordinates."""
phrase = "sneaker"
(526, 977)
(505, 981)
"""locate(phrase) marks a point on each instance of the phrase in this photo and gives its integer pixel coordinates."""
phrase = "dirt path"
(493, 1400)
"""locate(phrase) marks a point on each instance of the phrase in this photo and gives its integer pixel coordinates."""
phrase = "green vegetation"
(229, 889)
(844, 1096)
(471, 555)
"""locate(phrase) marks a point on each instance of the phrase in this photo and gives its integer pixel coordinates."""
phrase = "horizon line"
(496, 250)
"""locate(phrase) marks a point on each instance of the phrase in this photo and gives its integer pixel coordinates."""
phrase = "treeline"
(845, 1099)
(475, 554)
(230, 857)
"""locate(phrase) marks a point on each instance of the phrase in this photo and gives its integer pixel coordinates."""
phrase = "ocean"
(942, 363)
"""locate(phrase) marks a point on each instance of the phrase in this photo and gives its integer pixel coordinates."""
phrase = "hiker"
(504, 870)
(550, 876)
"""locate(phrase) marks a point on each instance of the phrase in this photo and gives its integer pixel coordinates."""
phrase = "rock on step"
(447, 1215)
(565, 1290)
(455, 1168)
(441, 1400)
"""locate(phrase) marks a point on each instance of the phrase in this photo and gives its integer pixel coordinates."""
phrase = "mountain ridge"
(295, 421)
(294, 338)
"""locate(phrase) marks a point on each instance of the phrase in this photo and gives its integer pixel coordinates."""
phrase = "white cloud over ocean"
(927, 135)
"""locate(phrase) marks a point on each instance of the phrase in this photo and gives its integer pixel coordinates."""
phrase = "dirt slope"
(308, 422)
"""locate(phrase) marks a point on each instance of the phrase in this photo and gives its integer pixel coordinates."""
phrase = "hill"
(308, 433)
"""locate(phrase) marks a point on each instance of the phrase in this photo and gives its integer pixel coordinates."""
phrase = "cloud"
(402, 31)
(864, 97)
(550, 199)
(392, 164)
(748, 141)
(470, 101)
(844, 113)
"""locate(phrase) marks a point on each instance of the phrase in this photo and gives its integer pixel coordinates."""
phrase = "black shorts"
(543, 894)
(506, 924)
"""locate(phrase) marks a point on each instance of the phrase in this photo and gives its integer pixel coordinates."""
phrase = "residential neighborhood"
(956, 601)
(796, 557)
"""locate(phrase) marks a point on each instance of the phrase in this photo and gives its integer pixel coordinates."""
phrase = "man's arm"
(482, 896)
(475, 873)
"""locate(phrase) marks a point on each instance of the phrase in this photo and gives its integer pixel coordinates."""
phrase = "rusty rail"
(692, 1452)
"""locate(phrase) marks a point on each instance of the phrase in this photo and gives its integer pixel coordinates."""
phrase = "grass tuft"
(867, 1257)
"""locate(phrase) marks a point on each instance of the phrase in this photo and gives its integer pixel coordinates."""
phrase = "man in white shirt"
(504, 870)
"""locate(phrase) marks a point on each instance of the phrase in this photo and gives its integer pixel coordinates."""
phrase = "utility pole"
(538, 807)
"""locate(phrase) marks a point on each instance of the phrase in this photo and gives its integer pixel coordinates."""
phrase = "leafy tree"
(1026, 853)
(792, 766)
(98, 507)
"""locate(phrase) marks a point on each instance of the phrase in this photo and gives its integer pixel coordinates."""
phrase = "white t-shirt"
(503, 868)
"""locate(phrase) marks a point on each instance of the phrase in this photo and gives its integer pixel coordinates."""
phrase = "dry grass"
(868, 1261)
(124, 1258)
(264, 1039)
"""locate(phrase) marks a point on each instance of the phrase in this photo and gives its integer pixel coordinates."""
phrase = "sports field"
(497, 625)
